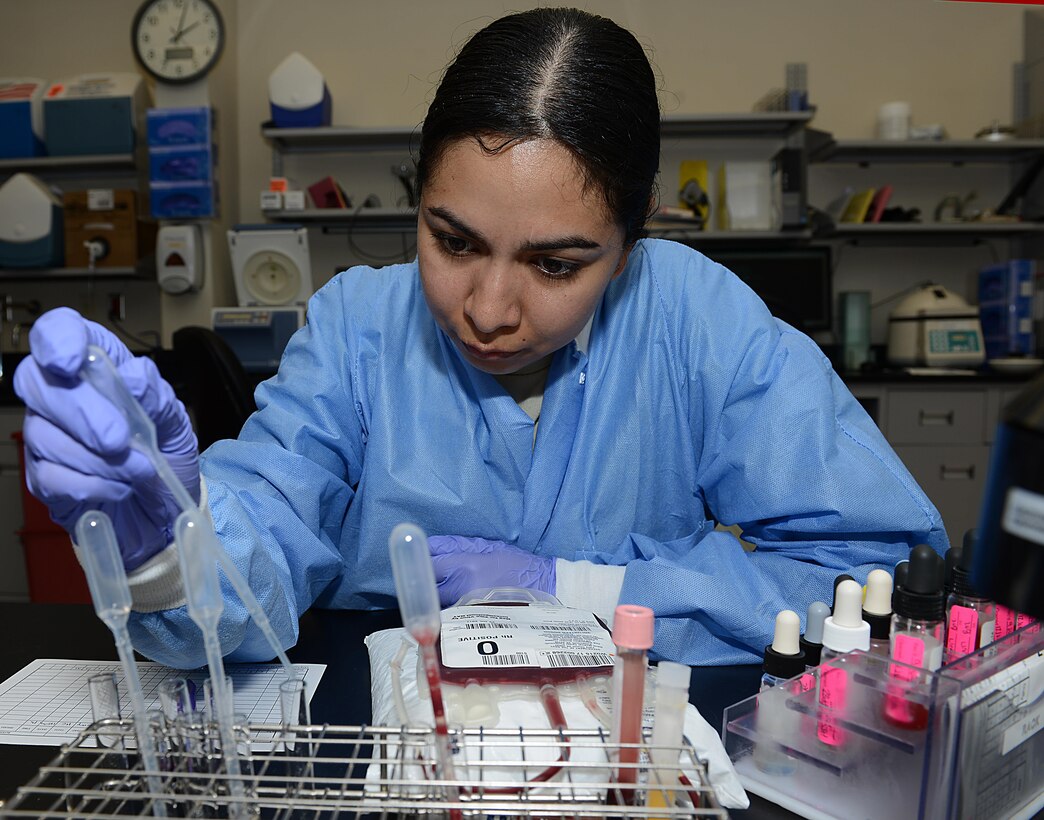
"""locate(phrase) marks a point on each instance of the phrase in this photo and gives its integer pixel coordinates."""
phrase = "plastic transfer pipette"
(421, 615)
(107, 580)
(99, 371)
(203, 596)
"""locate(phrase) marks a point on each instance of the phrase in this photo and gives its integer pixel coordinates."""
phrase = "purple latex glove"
(463, 564)
(78, 454)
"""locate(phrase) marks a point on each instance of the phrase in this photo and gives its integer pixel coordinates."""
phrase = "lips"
(487, 354)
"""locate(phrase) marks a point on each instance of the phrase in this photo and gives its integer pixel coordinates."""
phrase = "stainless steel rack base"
(313, 772)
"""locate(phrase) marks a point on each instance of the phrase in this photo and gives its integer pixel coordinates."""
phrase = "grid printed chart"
(47, 704)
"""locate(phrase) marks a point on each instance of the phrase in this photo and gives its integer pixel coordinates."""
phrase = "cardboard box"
(110, 215)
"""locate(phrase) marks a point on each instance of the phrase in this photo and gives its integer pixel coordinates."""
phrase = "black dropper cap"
(902, 569)
(953, 558)
(960, 580)
(921, 597)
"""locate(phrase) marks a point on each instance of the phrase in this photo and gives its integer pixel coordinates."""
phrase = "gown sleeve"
(278, 495)
(787, 455)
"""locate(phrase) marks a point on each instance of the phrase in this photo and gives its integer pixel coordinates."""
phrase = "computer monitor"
(795, 283)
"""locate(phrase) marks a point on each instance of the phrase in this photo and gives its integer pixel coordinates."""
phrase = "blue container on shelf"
(1006, 308)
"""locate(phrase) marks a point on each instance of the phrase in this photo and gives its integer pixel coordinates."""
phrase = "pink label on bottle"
(806, 682)
(1005, 622)
(908, 650)
(833, 685)
(962, 631)
(1026, 620)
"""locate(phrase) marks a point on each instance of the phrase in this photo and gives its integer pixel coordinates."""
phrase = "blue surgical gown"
(691, 406)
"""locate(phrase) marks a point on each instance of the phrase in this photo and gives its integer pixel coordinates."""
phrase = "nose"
(494, 303)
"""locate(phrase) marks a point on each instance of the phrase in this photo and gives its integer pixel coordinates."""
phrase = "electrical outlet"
(117, 307)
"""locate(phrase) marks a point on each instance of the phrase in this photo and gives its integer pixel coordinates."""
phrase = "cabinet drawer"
(936, 417)
(953, 478)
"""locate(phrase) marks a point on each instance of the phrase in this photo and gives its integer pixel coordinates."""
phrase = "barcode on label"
(515, 659)
(579, 659)
(487, 625)
(555, 628)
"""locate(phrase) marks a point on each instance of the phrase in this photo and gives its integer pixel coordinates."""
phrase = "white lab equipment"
(21, 117)
(31, 227)
(179, 258)
(297, 94)
(271, 266)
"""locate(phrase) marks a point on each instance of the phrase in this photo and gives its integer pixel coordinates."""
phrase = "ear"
(624, 256)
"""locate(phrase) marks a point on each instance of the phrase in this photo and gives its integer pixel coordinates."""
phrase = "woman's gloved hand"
(463, 564)
(77, 443)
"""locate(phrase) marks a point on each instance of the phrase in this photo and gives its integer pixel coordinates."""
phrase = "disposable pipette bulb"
(845, 630)
(784, 658)
(415, 582)
(812, 640)
(877, 609)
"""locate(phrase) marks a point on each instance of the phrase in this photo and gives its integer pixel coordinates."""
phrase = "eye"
(454, 245)
(555, 268)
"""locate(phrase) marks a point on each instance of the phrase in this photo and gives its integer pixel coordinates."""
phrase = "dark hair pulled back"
(561, 74)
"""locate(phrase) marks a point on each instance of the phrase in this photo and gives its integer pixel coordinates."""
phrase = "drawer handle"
(957, 473)
(926, 419)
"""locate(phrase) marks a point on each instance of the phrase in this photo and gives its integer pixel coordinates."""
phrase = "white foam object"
(295, 84)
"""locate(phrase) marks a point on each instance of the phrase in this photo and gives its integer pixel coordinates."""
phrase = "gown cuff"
(593, 587)
(156, 584)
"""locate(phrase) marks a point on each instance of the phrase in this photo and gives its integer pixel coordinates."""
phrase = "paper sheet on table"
(46, 703)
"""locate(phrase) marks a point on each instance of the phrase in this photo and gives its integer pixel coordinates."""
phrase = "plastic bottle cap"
(878, 593)
(787, 632)
(817, 613)
(633, 627)
(674, 675)
(921, 596)
(846, 630)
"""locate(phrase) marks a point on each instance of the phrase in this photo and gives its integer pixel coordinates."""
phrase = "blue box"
(183, 200)
(1006, 307)
(178, 126)
(181, 164)
(93, 114)
(21, 118)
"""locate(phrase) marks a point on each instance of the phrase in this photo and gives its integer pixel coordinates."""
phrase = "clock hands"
(185, 31)
(181, 22)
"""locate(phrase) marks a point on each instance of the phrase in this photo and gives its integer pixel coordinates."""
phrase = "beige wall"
(951, 61)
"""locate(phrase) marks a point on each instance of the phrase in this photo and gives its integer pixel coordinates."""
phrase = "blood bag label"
(538, 636)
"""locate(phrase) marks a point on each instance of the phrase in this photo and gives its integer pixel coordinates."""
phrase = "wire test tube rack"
(308, 771)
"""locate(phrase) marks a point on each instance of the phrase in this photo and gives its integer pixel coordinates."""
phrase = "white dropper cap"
(846, 630)
(878, 593)
(787, 634)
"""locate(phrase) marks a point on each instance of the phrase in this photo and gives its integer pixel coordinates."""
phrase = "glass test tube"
(633, 636)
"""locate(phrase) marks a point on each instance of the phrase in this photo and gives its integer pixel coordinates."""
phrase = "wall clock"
(177, 41)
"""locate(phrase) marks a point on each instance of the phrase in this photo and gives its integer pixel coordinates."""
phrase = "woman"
(558, 403)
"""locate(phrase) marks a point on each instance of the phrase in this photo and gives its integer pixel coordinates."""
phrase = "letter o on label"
(487, 648)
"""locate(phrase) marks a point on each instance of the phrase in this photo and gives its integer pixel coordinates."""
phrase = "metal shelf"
(899, 229)
(343, 138)
(682, 233)
(372, 220)
(957, 152)
(752, 124)
(92, 162)
(350, 138)
(71, 273)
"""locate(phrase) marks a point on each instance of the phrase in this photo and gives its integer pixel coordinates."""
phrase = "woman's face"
(514, 254)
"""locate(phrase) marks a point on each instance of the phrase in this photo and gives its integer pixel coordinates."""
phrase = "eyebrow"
(554, 244)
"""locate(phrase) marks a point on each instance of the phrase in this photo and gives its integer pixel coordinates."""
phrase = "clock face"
(177, 41)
